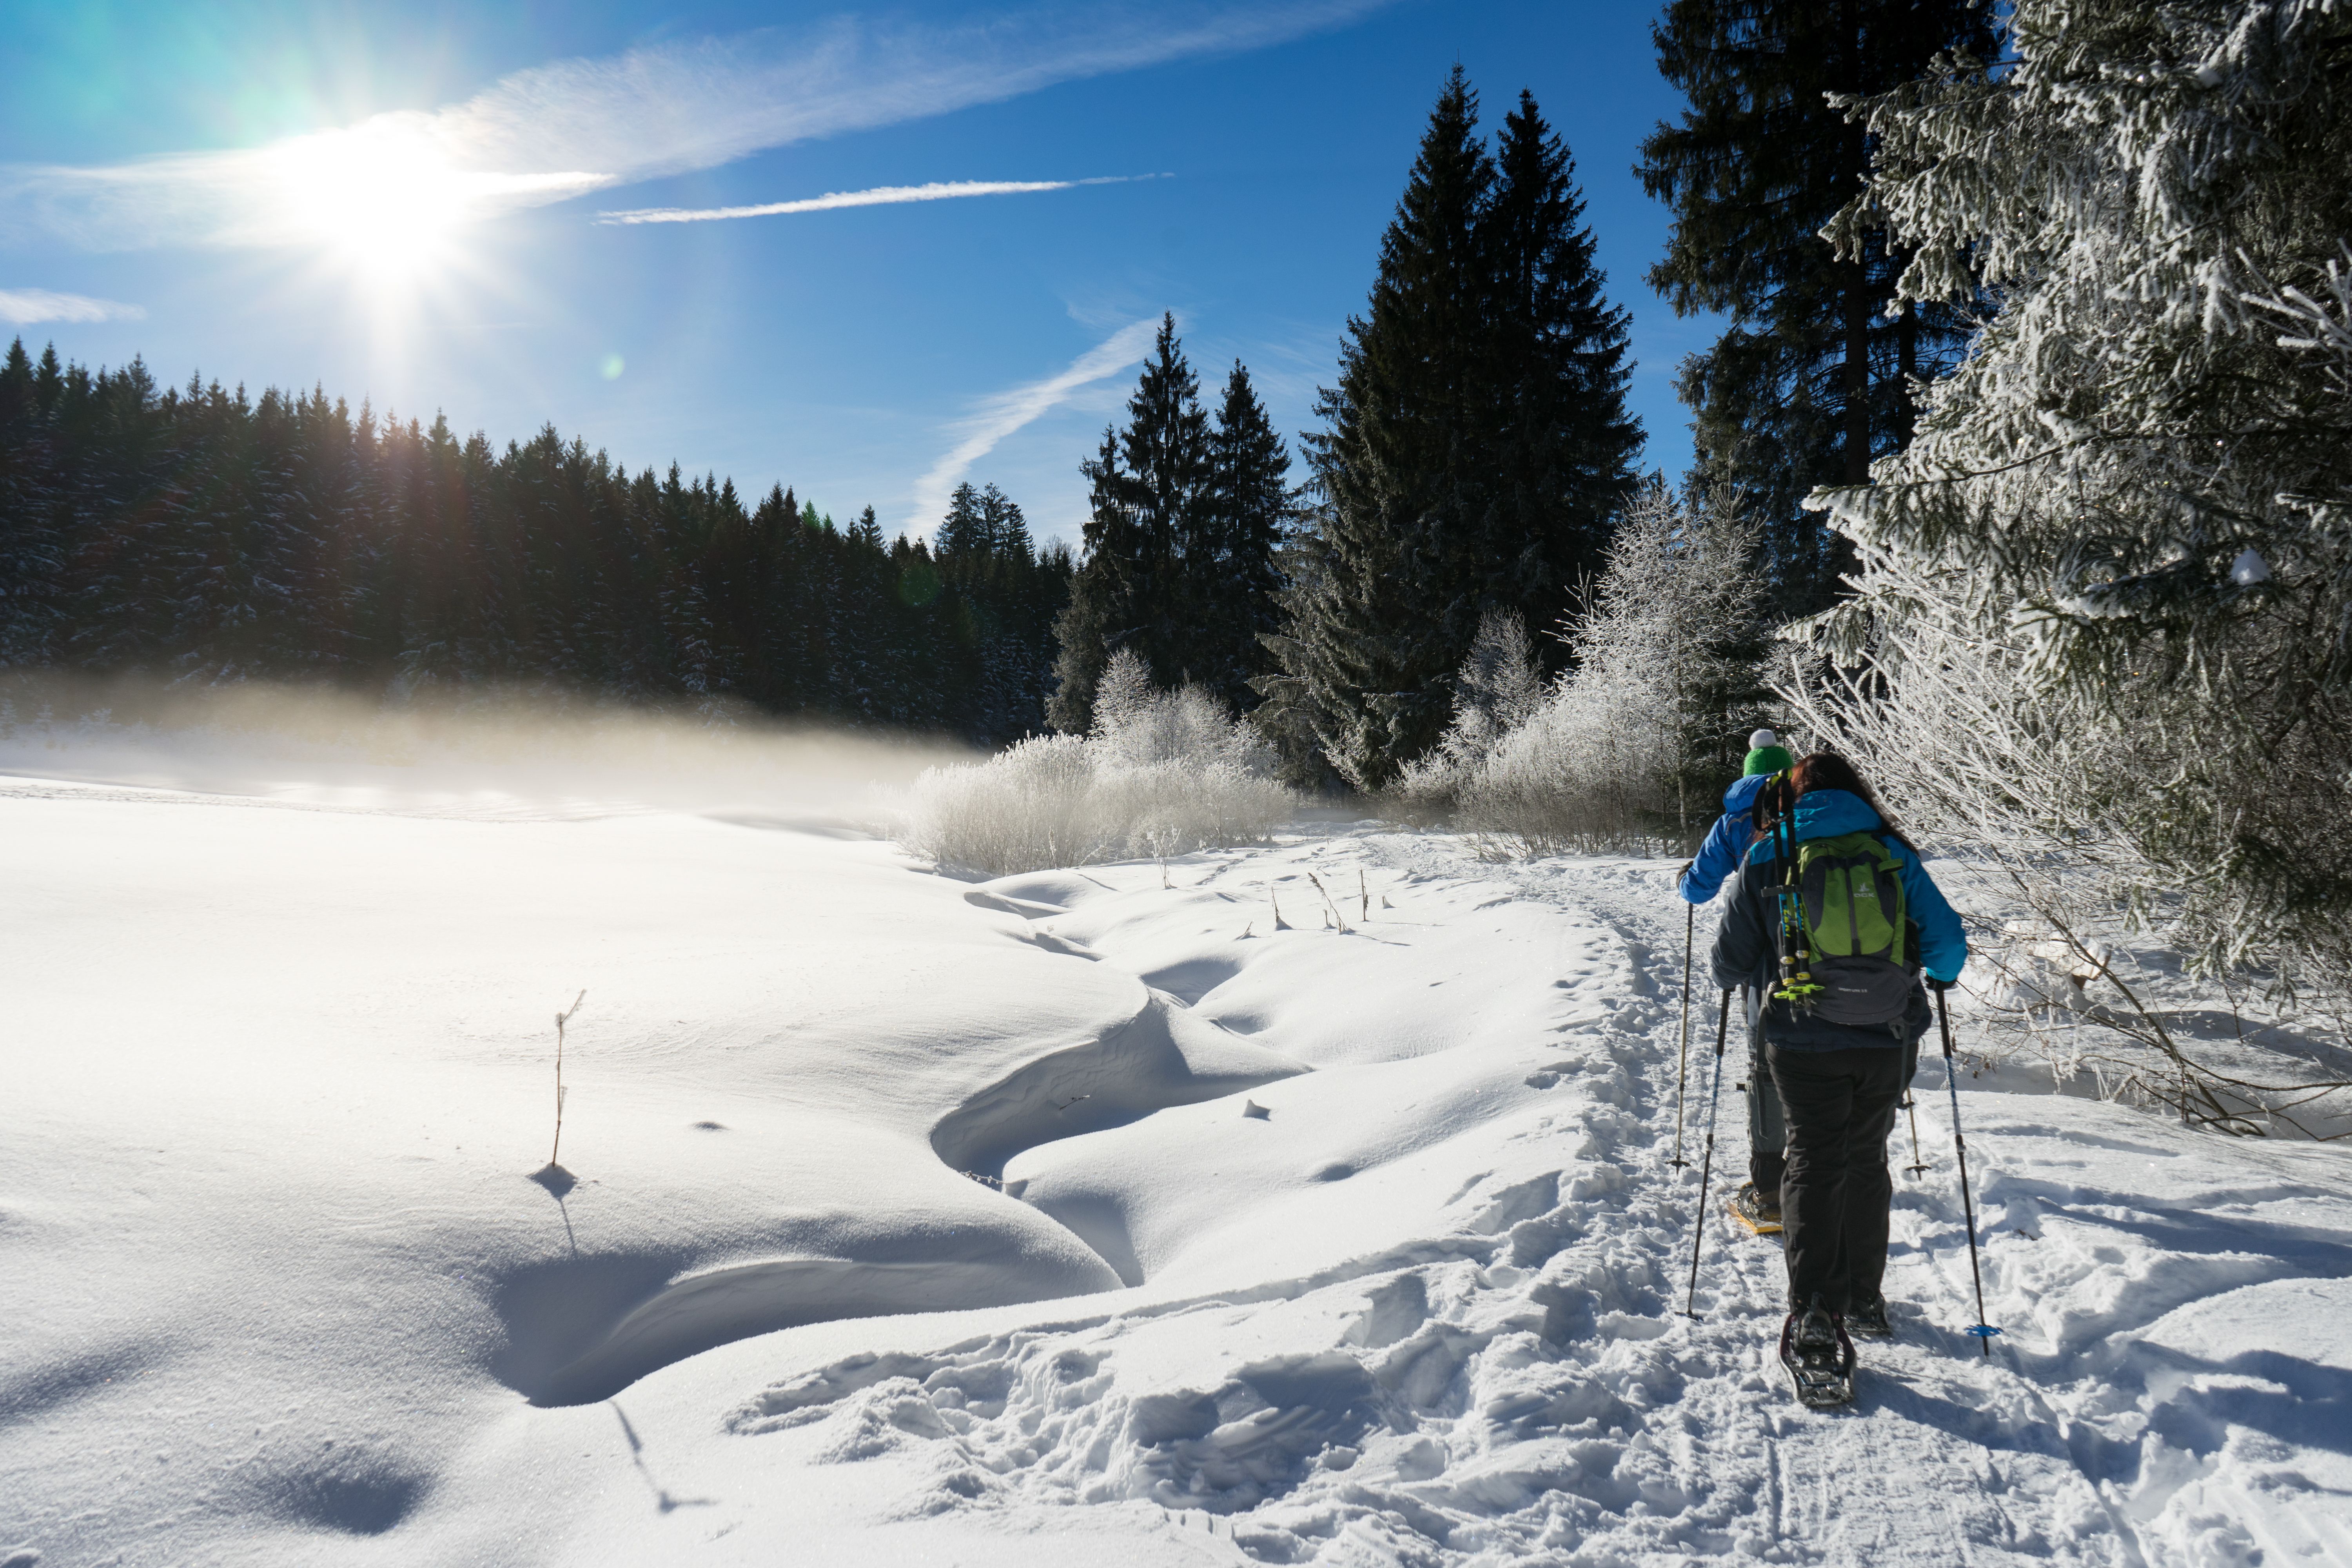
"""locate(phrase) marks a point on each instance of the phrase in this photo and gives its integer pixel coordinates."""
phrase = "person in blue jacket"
(1839, 1083)
(1758, 1200)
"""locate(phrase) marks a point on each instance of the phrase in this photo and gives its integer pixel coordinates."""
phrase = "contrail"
(880, 195)
(560, 130)
(1008, 411)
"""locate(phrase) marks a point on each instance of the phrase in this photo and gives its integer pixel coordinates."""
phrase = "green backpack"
(1845, 954)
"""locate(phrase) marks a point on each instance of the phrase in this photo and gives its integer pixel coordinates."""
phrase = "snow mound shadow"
(1163, 1056)
(581, 1330)
(349, 1492)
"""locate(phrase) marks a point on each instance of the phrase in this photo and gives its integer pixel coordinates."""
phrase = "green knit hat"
(1765, 754)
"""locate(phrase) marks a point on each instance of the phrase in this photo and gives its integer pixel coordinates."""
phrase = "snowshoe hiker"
(1831, 921)
(1757, 1204)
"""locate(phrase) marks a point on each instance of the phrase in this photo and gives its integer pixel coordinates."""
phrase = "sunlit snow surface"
(1346, 1247)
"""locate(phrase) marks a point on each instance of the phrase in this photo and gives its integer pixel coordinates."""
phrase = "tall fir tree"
(1474, 454)
(1144, 507)
(963, 530)
(1247, 512)
(1809, 381)
(1565, 444)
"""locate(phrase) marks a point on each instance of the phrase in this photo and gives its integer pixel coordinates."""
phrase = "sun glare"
(389, 206)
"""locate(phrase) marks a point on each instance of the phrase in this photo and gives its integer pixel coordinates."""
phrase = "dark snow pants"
(1834, 1196)
(1767, 1137)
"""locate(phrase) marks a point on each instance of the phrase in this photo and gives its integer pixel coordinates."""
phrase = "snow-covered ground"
(1291, 1243)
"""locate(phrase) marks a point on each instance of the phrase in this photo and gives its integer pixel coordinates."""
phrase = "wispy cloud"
(880, 195)
(553, 131)
(24, 305)
(1002, 414)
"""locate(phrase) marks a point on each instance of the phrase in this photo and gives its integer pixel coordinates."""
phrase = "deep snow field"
(1296, 1244)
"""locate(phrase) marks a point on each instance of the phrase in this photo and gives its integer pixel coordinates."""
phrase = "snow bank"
(1347, 1238)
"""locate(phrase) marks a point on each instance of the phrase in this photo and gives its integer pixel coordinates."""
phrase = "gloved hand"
(1685, 870)
(1938, 986)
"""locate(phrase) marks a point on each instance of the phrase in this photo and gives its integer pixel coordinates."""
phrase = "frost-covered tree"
(1665, 675)
(1811, 377)
(2107, 593)
(1498, 688)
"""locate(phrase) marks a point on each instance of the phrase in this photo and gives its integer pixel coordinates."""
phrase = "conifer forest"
(1966, 261)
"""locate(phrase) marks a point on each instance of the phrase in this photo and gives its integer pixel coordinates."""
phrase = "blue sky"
(405, 201)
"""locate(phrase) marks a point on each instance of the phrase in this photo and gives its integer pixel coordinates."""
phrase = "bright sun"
(386, 205)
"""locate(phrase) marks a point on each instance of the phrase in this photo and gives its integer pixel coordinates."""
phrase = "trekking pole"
(1983, 1330)
(1682, 1072)
(1911, 1109)
(1707, 1164)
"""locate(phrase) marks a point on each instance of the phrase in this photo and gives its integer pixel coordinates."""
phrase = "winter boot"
(1868, 1320)
(1819, 1357)
(1757, 1210)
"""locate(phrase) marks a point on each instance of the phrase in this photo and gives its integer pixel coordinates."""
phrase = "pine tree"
(1810, 380)
(1565, 444)
(1004, 527)
(1475, 448)
(963, 529)
(2104, 604)
(31, 555)
(1397, 467)
(1247, 509)
(202, 533)
(1149, 484)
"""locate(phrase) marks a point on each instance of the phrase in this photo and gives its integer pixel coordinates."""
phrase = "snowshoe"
(1757, 1210)
(1868, 1320)
(1819, 1359)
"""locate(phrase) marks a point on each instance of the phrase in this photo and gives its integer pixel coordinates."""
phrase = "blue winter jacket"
(1746, 953)
(1719, 856)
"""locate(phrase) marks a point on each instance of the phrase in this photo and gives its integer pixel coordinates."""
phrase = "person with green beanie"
(1756, 1205)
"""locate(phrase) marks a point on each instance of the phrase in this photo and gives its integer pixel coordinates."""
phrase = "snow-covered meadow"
(1346, 1239)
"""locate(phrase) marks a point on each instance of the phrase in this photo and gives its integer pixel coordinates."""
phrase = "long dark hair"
(1829, 769)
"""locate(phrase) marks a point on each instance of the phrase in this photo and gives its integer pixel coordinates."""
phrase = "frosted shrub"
(1498, 688)
(1602, 757)
(1161, 774)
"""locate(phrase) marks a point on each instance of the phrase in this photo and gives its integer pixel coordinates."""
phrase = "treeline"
(200, 533)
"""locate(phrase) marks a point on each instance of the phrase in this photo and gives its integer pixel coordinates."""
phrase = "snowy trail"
(1341, 1246)
(1519, 1385)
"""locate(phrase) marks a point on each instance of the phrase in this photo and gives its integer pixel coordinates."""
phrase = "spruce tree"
(1400, 472)
(1474, 450)
(1564, 443)
(1809, 381)
(1247, 509)
(963, 529)
(1004, 527)
(1145, 507)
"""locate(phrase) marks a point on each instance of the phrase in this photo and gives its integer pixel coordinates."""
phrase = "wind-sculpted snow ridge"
(1505, 1378)
(581, 1330)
